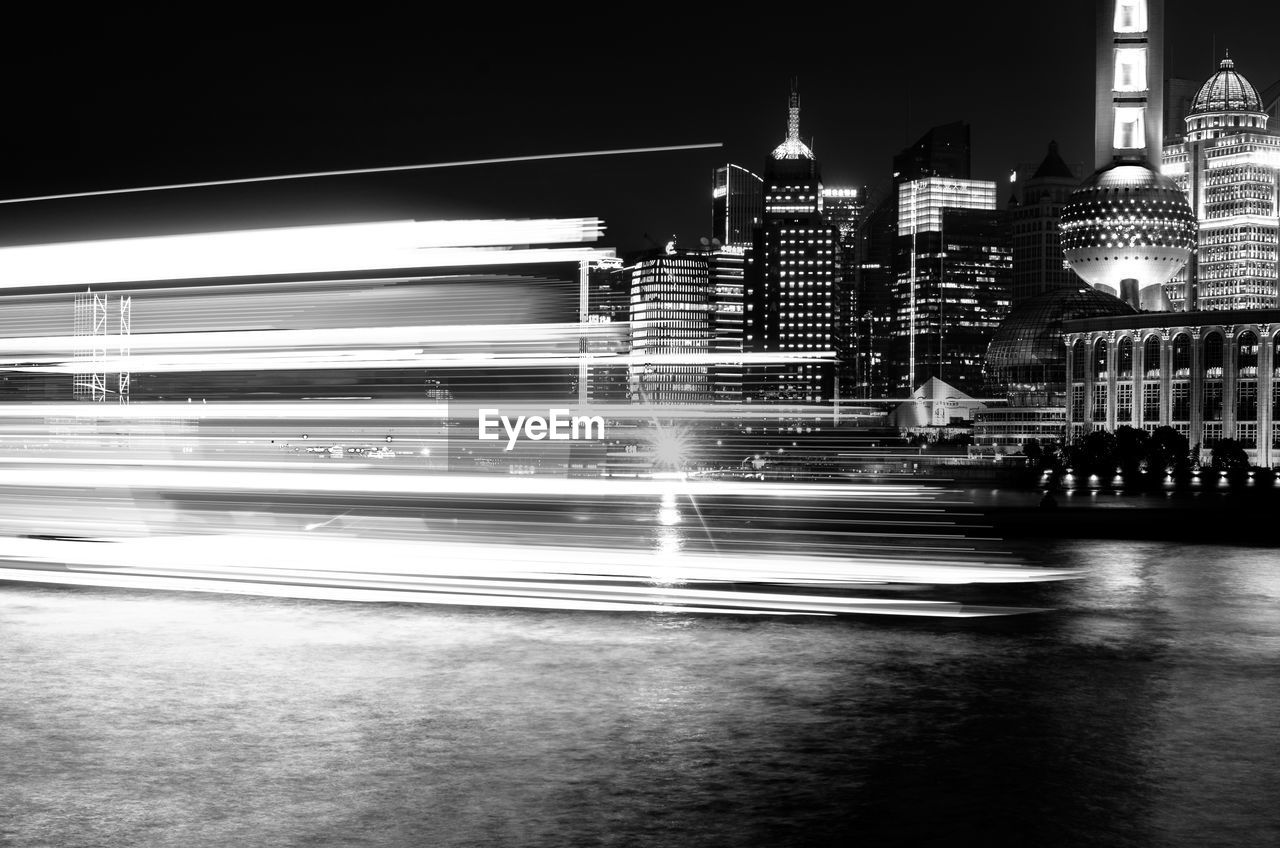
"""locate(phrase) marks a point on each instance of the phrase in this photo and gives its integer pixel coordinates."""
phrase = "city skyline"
(224, 105)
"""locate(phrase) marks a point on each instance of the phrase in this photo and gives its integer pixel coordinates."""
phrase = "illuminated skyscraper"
(952, 291)
(943, 151)
(794, 291)
(726, 267)
(737, 202)
(873, 282)
(671, 299)
(608, 305)
(842, 208)
(1227, 165)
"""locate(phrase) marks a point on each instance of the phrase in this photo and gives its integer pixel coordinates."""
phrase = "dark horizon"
(116, 110)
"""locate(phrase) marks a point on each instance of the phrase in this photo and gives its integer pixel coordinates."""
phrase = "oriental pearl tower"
(1128, 228)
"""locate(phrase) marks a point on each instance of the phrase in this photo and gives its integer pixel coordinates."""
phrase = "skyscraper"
(873, 283)
(726, 269)
(670, 328)
(1227, 163)
(1033, 226)
(793, 293)
(953, 265)
(608, 308)
(737, 201)
(943, 151)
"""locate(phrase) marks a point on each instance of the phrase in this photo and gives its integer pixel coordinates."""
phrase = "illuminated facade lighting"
(953, 279)
(794, 291)
(1227, 165)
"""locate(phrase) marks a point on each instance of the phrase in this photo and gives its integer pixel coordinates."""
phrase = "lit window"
(1130, 133)
(1131, 16)
(1131, 69)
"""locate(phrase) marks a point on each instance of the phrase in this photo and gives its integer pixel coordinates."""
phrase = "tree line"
(1132, 452)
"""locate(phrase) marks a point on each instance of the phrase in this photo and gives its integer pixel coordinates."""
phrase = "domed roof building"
(1226, 165)
(1027, 358)
(1226, 103)
(1126, 231)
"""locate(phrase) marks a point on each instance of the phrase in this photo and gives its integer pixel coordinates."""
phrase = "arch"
(1077, 361)
(1247, 355)
(1124, 359)
(1214, 354)
(1211, 390)
(1100, 359)
(1151, 356)
(1247, 385)
(1182, 356)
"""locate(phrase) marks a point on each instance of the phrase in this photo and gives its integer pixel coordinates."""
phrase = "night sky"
(126, 102)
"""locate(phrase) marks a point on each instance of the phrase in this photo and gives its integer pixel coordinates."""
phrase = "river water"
(1139, 710)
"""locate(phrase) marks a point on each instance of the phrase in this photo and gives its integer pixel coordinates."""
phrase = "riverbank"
(1241, 515)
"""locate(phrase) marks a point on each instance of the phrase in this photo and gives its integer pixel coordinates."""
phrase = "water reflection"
(1137, 713)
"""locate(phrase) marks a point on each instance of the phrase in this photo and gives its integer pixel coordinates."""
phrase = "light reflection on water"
(1139, 712)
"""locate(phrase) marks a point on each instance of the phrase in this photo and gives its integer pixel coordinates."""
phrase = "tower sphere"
(1127, 229)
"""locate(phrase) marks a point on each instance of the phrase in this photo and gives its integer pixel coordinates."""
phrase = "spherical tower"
(1126, 231)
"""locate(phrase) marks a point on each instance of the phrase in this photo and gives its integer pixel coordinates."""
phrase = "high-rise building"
(1227, 163)
(842, 208)
(1038, 266)
(671, 328)
(608, 309)
(872, 287)
(943, 151)
(737, 202)
(953, 266)
(793, 294)
(726, 268)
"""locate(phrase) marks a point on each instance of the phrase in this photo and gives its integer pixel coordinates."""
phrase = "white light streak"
(357, 171)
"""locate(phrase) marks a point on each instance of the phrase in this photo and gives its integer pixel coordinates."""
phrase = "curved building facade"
(1209, 375)
(1025, 360)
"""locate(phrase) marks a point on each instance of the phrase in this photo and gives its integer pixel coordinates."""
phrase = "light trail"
(144, 564)
(358, 171)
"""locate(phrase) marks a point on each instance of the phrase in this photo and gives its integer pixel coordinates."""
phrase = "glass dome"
(1027, 358)
(1226, 91)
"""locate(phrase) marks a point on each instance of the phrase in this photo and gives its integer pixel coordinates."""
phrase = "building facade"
(793, 295)
(1210, 375)
(608, 313)
(953, 266)
(737, 203)
(1227, 163)
(671, 329)
(1034, 236)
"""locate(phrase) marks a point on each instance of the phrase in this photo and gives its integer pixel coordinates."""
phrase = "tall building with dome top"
(1227, 164)
(793, 287)
(1211, 370)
